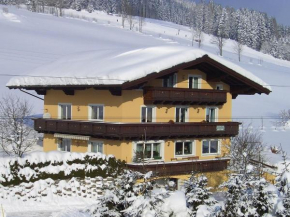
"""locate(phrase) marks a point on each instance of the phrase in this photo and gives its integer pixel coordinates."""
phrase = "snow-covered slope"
(30, 40)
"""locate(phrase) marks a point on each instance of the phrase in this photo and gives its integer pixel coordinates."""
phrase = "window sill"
(210, 154)
(185, 155)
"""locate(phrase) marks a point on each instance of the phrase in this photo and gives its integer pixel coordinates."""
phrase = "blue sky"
(276, 8)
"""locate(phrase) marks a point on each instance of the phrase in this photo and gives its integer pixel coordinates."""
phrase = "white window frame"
(96, 141)
(193, 147)
(174, 80)
(198, 82)
(135, 143)
(216, 113)
(90, 111)
(59, 110)
(153, 113)
(211, 154)
(186, 114)
(221, 87)
(59, 142)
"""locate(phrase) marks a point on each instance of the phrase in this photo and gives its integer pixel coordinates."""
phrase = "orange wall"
(126, 109)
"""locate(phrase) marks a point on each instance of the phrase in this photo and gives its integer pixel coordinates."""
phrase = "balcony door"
(148, 114)
(211, 114)
(181, 114)
(170, 81)
(194, 82)
(64, 111)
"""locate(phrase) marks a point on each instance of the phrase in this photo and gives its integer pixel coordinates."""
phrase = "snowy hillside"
(30, 40)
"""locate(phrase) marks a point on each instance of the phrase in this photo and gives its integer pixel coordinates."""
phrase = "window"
(170, 81)
(65, 111)
(194, 82)
(152, 150)
(181, 114)
(96, 112)
(95, 146)
(210, 147)
(147, 114)
(183, 148)
(211, 114)
(64, 145)
(219, 87)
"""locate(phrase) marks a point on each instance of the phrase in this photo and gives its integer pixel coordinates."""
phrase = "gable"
(215, 72)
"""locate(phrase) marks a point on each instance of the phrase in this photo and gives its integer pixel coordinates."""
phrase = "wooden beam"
(116, 92)
(69, 92)
(40, 91)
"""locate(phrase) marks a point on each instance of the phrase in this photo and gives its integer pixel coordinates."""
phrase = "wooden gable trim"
(154, 75)
(236, 75)
(229, 75)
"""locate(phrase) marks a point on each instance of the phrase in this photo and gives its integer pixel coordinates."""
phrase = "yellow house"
(165, 109)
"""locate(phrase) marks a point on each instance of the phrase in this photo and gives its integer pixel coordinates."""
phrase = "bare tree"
(246, 146)
(142, 15)
(124, 11)
(130, 16)
(284, 117)
(198, 36)
(238, 48)
(17, 137)
(219, 41)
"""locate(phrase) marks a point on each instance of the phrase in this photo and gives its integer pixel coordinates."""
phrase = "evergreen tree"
(237, 201)
(106, 206)
(197, 193)
(262, 198)
(147, 203)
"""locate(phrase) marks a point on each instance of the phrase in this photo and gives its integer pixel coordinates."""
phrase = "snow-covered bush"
(57, 165)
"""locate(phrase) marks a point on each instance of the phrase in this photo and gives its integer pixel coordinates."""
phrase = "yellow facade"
(127, 109)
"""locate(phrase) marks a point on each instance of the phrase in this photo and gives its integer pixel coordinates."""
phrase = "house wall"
(124, 150)
(127, 109)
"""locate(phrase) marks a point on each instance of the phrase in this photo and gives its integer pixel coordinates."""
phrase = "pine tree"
(125, 188)
(147, 203)
(106, 206)
(262, 198)
(197, 193)
(237, 203)
(285, 212)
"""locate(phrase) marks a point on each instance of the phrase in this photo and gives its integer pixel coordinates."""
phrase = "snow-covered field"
(30, 40)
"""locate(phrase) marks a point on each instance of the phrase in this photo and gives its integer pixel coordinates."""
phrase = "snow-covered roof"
(117, 67)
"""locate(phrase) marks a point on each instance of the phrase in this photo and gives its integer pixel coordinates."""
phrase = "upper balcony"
(137, 131)
(183, 96)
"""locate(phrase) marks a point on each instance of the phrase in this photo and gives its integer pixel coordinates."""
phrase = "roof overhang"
(240, 85)
(215, 72)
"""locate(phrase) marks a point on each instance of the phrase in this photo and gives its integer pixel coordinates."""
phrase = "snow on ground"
(39, 39)
(49, 195)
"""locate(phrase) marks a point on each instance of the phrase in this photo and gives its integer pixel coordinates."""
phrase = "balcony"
(137, 131)
(182, 167)
(183, 96)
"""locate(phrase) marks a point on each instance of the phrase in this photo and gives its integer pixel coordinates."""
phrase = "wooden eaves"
(215, 71)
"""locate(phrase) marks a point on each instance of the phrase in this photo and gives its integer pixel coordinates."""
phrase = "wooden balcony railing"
(180, 168)
(184, 96)
(137, 131)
